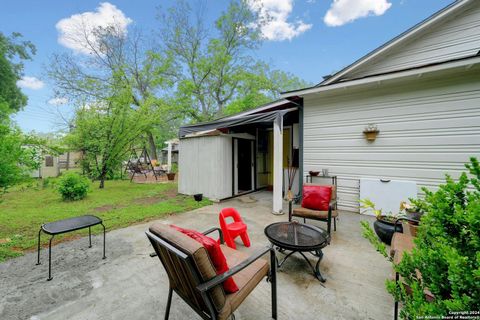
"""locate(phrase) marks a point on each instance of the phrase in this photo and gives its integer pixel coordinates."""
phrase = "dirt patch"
(169, 194)
(107, 207)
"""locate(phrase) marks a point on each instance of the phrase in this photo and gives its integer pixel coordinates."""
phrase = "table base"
(317, 253)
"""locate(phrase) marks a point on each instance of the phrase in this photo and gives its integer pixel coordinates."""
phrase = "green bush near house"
(446, 259)
(73, 186)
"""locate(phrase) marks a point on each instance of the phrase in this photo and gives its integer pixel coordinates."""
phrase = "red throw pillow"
(316, 197)
(215, 253)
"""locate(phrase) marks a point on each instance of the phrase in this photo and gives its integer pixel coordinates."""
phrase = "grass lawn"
(120, 204)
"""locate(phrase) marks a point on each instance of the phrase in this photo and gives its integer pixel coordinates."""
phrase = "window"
(48, 161)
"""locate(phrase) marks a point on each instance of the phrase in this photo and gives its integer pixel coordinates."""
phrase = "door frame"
(253, 153)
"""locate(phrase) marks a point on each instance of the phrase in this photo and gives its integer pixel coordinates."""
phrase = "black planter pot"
(198, 197)
(385, 230)
(171, 176)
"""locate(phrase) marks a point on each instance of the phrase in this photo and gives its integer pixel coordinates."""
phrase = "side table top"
(297, 236)
(71, 224)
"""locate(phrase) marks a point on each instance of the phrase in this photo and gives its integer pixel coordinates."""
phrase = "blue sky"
(309, 38)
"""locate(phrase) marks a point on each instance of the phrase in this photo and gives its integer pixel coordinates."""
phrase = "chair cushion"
(316, 197)
(215, 253)
(312, 214)
(200, 257)
(247, 279)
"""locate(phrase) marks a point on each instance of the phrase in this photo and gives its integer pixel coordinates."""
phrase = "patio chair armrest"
(215, 281)
(215, 229)
(406, 219)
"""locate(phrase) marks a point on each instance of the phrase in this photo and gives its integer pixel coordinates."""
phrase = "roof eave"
(464, 62)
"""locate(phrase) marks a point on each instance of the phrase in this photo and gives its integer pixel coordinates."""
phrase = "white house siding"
(455, 38)
(428, 127)
(205, 166)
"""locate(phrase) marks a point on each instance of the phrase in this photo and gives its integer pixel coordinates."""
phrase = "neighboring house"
(70, 159)
(52, 166)
(421, 91)
(49, 167)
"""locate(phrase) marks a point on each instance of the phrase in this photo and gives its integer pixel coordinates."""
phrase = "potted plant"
(413, 213)
(371, 131)
(173, 171)
(386, 224)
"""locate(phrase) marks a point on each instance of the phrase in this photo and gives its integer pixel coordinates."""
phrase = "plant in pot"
(386, 224)
(413, 213)
(440, 276)
(173, 171)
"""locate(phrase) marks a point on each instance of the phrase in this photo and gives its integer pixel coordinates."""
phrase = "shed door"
(244, 165)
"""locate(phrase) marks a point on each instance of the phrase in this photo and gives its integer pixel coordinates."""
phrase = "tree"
(105, 131)
(217, 72)
(11, 97)
(114, 58)
(15, 160)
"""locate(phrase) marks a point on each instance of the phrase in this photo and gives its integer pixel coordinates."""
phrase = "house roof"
(397, 41)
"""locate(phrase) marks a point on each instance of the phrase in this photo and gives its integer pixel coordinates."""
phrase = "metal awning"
(265, 117)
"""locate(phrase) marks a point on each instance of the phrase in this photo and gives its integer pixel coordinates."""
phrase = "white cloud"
(30, 83)
(274, 22)
(57, 101)
(345, 11)
(76, 32)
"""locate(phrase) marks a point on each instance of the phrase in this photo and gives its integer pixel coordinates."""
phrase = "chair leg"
(273, 281)
(245, 239)
(395, 307)
(229, 240)
(169, 302)
(334, 224)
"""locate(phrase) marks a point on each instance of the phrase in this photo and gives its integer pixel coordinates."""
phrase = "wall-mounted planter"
(371, 131)
(371, 135)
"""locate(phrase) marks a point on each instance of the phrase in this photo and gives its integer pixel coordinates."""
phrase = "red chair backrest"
(229, 213)
(316, 197)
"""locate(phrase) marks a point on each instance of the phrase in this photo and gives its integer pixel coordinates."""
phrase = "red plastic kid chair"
(234, 229)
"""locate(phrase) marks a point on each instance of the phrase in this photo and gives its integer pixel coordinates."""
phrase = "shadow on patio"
(131, 285)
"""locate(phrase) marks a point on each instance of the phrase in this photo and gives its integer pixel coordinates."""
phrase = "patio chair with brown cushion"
(193, 277)
(326, 213)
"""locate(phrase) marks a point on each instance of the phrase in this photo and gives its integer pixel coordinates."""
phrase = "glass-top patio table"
(298, 237)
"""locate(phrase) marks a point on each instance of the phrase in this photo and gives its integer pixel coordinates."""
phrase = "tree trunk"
(103, 175)
(151, 144)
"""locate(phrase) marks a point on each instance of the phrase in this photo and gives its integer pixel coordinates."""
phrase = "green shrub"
(73, 186)
(447, 252)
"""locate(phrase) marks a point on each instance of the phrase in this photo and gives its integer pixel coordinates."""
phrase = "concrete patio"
(131, 285)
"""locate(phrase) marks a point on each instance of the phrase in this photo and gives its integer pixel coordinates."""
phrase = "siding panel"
(427, 128)
(455, 38)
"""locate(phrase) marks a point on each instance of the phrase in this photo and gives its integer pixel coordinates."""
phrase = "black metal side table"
(68, 225)
(298, 237)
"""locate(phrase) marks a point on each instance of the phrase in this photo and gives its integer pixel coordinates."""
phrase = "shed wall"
(428, 127)
(205, 166)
